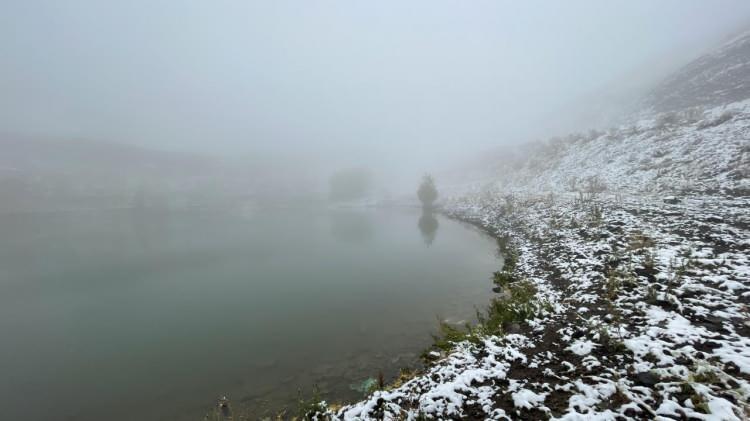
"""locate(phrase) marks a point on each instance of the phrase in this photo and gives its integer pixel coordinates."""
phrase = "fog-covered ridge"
(719, 77)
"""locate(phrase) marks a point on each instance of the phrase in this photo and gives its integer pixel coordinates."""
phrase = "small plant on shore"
(506, 276)
(704, 374)
(503, 278)
(221, 412)
(596, 212)
(608, 343)
(698, 401)
(584, 197)
(520, 305)
(313, 408)
(677, 272)
(612, 286)
(716, 121)
(510, 204)
(648, 260)
(651, 295)
(595, 185)
(421, 416)
(555, 222)
(612, 290)
(404, 375)
(640, 241)
(628, 278)
(448, 335)
(509, 253)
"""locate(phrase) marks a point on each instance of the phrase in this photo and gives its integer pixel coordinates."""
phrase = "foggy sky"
(359, 82)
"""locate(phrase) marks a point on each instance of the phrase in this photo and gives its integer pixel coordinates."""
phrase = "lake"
(140, 315)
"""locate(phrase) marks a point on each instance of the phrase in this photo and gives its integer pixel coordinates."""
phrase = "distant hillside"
(45, 155)
(43, 174)
(719, 77)
(46, 174)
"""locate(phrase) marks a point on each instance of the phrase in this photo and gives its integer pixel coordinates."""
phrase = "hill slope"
(720, 77)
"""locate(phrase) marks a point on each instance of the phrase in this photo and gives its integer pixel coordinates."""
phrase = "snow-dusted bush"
(666, 120)
(716, 121)
(595, 185)
(692, 115)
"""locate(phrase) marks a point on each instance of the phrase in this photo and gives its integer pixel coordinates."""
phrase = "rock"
(682, 360)
(671, 200)
(732, 368)
(710, 345)
(714, 320)
(432, 356)
(223, 404)
(647, 378)
(513, 328)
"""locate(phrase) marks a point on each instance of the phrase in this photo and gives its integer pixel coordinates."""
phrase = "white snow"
(525, 398)
(581, 347)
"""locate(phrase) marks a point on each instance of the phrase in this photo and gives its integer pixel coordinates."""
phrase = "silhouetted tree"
(427, 192)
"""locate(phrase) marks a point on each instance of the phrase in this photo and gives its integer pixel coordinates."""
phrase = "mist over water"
(301, 90)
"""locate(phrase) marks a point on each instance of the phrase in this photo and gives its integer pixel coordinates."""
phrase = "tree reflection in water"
(428, 226)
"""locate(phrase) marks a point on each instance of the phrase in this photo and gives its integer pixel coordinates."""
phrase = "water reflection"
(150, 227)
(428, 226)
(353, 227)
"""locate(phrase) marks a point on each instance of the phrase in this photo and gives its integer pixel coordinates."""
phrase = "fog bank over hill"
(690, 93)
(286, 94)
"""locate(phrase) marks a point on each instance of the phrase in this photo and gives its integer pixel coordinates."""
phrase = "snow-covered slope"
(720, 77)
(668, 153)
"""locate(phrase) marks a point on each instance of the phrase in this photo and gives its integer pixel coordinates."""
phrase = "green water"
(126, 315)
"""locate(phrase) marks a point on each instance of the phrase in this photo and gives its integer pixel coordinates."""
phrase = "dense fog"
(119, 101)
(229, 210)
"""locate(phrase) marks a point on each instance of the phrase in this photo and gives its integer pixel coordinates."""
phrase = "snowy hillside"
(675, 152)
(720, 77)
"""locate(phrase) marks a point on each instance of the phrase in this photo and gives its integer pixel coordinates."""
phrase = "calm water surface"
(126, 315)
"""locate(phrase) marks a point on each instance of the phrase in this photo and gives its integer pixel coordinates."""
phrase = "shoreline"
(226, 409)
(607, 269)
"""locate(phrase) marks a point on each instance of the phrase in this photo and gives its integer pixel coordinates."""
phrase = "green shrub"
(520, 305)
